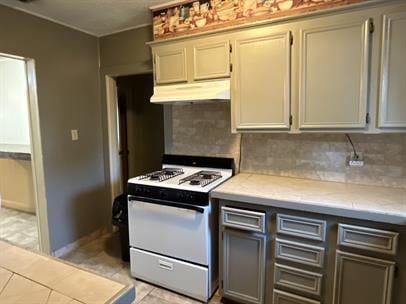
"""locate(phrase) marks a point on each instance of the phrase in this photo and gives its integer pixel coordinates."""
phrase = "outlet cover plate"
(356, 162)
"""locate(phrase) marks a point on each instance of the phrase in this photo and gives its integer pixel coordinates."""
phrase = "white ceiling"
(96, 17)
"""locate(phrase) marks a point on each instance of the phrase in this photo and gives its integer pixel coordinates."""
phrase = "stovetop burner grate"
(202, 178)
(162, 175)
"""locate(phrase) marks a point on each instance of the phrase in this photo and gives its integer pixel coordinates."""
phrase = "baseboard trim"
(16, 206)
(80, 242)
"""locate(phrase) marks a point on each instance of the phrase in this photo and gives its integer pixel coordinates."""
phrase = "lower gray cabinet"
(258, 265)
(244, 266)
(281, 297)
(362, 280)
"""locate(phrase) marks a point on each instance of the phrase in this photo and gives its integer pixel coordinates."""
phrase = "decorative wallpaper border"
(194, 16)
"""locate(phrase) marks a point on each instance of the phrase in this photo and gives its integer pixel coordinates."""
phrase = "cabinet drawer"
(367, 238)
(243, 219)
(298, 280)
(281, 297)
(185, 278)
(301, 227)
(300, 253)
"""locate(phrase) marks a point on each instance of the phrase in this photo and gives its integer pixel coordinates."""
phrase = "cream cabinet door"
(211, 60)
(170, 64)
(334, 68)
(392, 105)
(261, 80)
(362, 280)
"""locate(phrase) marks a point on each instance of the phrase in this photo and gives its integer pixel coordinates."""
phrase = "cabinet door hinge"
(290, 120)
(367, 118)
(291, 39)
(371, 27)
(222, 235)
(231, 67)
(231, 48)
(154, 65)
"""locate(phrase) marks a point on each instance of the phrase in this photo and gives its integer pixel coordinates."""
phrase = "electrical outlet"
(74, 134)
(356, 161)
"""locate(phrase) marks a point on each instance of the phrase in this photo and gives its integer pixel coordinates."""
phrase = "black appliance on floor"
(120, 219)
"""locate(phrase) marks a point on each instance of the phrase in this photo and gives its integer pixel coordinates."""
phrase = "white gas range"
(173, 224)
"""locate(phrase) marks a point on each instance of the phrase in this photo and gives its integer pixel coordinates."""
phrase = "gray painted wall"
(126, 52)
(68, 93)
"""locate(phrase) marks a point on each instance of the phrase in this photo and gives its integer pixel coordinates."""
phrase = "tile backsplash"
(204, 129)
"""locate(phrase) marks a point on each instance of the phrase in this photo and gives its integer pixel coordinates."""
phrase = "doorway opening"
(22, 190)
(140, 127)
(136, 140)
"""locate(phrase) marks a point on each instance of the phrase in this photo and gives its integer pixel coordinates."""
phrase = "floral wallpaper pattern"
(204, 15)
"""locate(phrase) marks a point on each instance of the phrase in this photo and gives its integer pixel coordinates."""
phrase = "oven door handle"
(165, 203)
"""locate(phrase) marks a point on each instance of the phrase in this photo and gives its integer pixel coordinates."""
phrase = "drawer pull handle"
(165, 265)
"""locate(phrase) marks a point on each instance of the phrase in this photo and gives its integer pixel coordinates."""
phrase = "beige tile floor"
(19, 228)
(103, 257)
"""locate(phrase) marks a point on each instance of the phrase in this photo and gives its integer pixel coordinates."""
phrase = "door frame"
(110, 100)
(114, 167)
(37, 162)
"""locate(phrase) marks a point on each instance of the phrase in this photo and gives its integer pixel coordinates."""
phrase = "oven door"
(170, 229)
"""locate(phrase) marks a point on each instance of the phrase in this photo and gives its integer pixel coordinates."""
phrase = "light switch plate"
(75, 135)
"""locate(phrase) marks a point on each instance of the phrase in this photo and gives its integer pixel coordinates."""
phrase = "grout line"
(12, 274)
(49, 296)
(145, 296)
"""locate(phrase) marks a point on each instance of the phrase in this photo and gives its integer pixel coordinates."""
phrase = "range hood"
(207, 91)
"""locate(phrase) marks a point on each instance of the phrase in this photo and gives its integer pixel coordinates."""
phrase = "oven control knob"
(162, 194)
(138, 190)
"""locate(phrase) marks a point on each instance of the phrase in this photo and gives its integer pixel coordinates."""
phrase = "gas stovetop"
(162, 175)
(185, 179)
(201, 178)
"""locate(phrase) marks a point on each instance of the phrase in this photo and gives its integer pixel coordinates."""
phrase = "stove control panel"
(168, 194)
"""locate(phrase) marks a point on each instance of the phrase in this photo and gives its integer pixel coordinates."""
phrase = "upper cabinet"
(196, 60)
(392, 97)
(261, 80)
(170, 64)
(211, 60)
(340, 71)
(334, 71)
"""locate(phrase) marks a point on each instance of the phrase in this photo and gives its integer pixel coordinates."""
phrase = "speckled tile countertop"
(29, 277)
(381, 204)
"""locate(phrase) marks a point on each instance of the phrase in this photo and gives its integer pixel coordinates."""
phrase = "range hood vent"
(218, 90)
